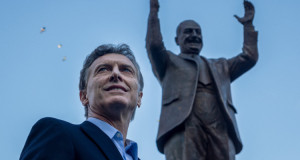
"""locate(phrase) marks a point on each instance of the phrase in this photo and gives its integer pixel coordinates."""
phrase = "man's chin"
(117, 101)
(194, 50)
(194, 47)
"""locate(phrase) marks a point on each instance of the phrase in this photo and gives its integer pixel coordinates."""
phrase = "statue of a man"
(197, 116)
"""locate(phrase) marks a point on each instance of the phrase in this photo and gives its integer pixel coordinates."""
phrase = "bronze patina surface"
(197, 115)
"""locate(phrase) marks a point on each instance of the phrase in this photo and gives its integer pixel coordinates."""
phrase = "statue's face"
(189, 37)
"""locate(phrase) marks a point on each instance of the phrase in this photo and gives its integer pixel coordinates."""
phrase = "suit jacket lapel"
(102, 140)
(213, 70)
(193, 58)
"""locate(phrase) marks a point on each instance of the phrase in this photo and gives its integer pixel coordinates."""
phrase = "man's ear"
(83, 98)
(176, 40)
(139, 102)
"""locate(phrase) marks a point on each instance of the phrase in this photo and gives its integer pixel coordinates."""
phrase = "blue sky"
(36, 82)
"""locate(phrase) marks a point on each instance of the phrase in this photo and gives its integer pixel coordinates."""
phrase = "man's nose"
(116, 75)
(195, 32)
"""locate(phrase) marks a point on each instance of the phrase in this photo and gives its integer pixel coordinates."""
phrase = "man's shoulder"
(170, 53)
(47, 136)
(213, 61)
(50, 122)
(208, 60)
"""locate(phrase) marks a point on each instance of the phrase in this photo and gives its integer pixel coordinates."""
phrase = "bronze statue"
(197, 116)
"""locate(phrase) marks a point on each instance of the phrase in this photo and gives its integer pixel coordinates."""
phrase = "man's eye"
(102, 69)
(187, 31)
(127, 70)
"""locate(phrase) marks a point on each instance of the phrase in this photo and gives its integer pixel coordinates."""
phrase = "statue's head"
(189, 37)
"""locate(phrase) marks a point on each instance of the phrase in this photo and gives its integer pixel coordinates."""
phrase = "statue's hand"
(249, 14)
(154, 5)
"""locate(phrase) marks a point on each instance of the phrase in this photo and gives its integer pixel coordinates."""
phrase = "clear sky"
(36, 82)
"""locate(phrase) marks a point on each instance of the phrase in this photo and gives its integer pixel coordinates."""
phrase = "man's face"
(112, 86)
(189, 38)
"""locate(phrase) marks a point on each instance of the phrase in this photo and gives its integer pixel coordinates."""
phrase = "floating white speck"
(64, 58)
(43, 29)
(59, 46)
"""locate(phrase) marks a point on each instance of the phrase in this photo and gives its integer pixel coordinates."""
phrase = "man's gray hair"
(104, 49)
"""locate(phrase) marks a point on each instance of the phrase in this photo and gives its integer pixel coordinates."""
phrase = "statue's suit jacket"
(53, 139)
(178, 76)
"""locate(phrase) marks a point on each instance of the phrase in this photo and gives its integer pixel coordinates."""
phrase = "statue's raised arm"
(249, 56)
(154, 37)
(249, 15)
(154, 43)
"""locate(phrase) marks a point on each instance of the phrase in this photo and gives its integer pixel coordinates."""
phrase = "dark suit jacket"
(178, 76)
(53, 139)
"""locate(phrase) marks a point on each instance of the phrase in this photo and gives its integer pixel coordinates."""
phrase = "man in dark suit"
(110, 87)
(197, 119)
